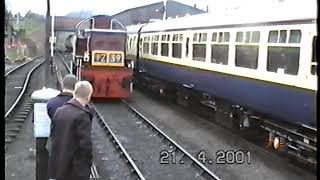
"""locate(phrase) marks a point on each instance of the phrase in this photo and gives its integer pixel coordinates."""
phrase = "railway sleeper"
(11, 134)
(13, 129)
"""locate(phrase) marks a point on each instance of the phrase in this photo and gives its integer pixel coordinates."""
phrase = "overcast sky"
(110, 7)
(62, 7)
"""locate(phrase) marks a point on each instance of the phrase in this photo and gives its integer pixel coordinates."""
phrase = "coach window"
(134, 42)
(220, 37)
(187, 47)
(314, 56)
(164, 45)
(154, 45)
(214, 37)
(283, 56)
(273, 37)
(199, 47)
(239, 37)
(295, 36)
(195, 37)
(283, 36)
(146, 45)
(176, 45)
(130, 44)
(255, 36)
(134, 39)
(247, 49)
(220, 49)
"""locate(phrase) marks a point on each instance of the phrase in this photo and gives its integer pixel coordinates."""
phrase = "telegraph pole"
(46, 45)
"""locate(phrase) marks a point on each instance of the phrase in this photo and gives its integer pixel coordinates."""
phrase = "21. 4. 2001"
(220, 157)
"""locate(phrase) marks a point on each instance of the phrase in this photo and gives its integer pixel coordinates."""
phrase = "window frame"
(146, 39)
(286, 44)
(154, 39)
(177, 38)
(247, 41)
(224, 42)
(200, 41)
(165, 39)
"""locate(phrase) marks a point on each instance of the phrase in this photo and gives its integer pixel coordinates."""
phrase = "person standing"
(68, 84)
(67, 89)
(71, 151)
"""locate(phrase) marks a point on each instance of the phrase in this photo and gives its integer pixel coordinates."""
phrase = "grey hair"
(69, 82)
(83, 89)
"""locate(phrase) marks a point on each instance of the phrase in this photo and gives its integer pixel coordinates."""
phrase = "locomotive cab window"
(81, 29)
(247, 49)
(284, 58)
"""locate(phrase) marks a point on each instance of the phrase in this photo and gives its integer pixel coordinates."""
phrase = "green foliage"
(33, 23)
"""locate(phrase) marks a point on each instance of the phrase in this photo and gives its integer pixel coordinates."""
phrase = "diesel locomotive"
(99, 51)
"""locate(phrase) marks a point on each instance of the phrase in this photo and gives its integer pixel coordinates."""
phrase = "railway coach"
(260, 68)
(99, 57)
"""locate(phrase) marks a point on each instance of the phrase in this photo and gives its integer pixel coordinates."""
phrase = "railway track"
(187, 167)
(155, 153)
(17, 102)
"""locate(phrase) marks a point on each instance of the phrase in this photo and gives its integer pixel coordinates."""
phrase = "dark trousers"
(42, 156)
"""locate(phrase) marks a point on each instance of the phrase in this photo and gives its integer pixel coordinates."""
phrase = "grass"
(13, 55)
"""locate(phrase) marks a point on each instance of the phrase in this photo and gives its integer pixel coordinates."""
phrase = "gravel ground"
(110, 164)
(20, 156)
(143, 145)
(9, 66)
(196, 134)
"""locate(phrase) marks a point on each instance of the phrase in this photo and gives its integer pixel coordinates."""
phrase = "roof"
(134, 28)
(131, 9)
(243, 16)
(66, 23)
(160, 2)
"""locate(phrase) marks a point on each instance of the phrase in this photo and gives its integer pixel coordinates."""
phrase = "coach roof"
(238, 17)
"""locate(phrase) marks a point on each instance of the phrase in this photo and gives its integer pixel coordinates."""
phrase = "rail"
(205, 169)
(14, 69)
(24, 86)
(119, 145)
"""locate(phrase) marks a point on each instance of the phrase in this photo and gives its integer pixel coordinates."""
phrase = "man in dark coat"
(71, 152)
(67, 89)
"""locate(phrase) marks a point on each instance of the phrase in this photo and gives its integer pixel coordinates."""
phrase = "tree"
(7, 16)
